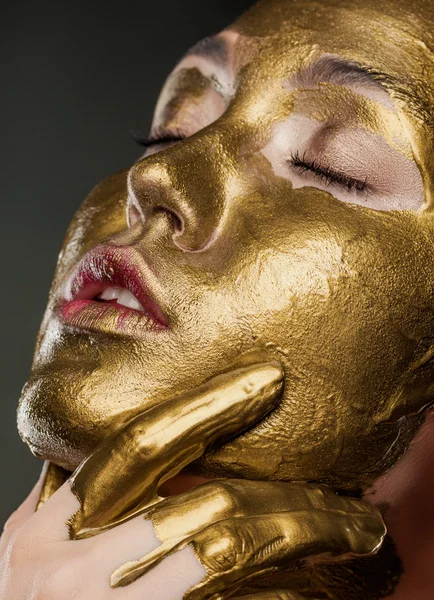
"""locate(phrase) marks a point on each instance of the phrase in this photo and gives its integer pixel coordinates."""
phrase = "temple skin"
(243, 258)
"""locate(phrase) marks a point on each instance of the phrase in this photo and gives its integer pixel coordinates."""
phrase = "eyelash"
(326, 174)
(158, 136)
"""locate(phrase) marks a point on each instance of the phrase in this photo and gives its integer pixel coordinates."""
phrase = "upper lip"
(116, 266)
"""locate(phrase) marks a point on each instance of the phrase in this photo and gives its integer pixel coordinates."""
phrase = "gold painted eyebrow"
(337, 71)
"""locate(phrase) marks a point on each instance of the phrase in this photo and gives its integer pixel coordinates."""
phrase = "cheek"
(342, 313)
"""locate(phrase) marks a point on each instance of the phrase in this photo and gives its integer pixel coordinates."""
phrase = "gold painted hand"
(122, 477)
(241, 530)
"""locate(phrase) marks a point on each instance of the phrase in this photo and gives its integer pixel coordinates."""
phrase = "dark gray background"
(75, 78)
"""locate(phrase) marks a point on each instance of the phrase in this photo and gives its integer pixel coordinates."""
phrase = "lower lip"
(106, 317)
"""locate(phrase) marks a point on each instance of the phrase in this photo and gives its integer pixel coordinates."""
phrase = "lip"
(110, 266)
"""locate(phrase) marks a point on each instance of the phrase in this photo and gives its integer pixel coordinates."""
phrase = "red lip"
(103, 267)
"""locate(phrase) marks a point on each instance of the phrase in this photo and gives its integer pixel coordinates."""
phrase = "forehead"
(276, 38)
(395, 41)
(350, 25)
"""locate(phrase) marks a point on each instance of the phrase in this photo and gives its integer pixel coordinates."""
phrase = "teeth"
(127, 299)
(111, 293)
(122, 296)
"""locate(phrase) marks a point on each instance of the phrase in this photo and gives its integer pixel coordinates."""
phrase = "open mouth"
(117, 296)
(120, 297)
(108, 291)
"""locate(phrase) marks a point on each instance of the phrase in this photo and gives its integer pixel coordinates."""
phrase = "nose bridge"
(186, 180)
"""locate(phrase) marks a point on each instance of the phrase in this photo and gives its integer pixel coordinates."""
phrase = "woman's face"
(285, 208)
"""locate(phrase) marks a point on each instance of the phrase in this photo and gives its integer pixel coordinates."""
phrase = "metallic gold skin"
(341, 295)
(245, 530)
(156, 445)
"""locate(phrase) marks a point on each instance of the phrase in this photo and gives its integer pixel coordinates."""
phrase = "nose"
(185, 181)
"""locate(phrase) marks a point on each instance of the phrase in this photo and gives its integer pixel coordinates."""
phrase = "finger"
(181, 516)
(50, 522)
(169, 581)
(24, 511)
(54, 478)
(47, 521)
(124, 474)
(237, 548)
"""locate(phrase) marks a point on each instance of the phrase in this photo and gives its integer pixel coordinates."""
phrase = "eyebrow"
(212, 47)
(335, 70)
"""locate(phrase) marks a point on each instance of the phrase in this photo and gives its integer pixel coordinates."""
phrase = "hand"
(37, 558)
(242, 530)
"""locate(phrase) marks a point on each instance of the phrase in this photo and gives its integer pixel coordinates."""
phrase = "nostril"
(133, 215)
(178, 225)
(176, 221)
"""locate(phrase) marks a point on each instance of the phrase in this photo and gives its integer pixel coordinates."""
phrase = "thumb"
(24, 511)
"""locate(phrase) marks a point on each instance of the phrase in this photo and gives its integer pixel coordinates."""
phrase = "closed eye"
(158, 140)
(160, 136)
(326, 174)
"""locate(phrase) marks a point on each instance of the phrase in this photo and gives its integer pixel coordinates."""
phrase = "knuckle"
(139, 444)
(57, 581)
(221, 549)
(226, 492)
(10, 523)
(228, 557)
(71, 574)
(18, 550)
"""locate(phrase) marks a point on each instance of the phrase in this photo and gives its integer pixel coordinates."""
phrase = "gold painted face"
(294, 219)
